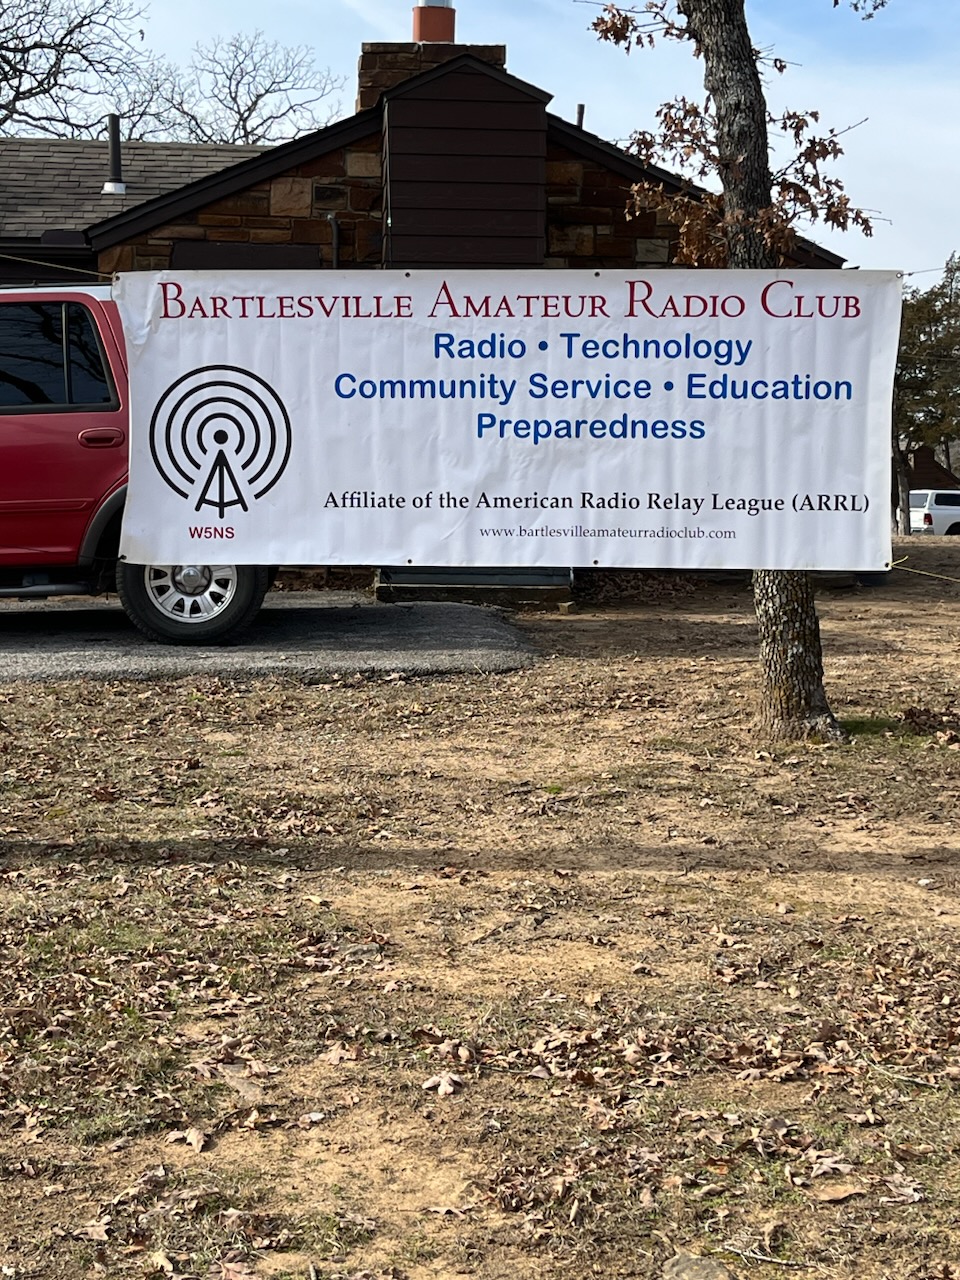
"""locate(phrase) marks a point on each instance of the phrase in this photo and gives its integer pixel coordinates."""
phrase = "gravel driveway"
(310, 634)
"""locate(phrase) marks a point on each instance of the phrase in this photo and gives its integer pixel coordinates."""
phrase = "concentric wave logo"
(220, 435)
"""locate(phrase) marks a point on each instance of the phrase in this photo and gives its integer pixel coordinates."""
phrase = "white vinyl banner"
(669, 419)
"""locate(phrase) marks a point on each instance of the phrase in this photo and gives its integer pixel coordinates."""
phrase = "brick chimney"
(434, 22)
(382, 66)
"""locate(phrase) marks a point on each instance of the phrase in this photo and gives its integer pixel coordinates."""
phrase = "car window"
(947, 499)
(87, 378)
(918, 498)
(31, 354)
(50, 357)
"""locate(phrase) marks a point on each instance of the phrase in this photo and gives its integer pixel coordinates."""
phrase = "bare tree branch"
(56, 56)
(65, 65)
(246, 89)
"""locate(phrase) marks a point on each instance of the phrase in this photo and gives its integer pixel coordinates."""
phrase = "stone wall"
(289, 209)
(587, 222)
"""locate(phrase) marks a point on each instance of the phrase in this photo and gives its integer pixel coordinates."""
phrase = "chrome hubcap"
(191, 579)
(191, 592)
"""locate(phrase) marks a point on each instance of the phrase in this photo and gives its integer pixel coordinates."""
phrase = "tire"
(191, 604)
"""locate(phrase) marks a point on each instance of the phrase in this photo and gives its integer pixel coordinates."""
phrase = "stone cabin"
(448, 161)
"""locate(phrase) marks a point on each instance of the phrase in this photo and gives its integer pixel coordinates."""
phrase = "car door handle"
(101, 437)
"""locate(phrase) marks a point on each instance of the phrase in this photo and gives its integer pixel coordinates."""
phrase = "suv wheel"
(191, 603)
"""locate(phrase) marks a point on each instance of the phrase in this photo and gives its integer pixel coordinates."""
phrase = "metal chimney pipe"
(115, 185)
(434, 22)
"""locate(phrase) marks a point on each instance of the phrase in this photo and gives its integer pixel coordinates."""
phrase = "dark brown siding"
(465, 168)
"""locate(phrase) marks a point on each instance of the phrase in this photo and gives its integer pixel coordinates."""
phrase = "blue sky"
(898, 72)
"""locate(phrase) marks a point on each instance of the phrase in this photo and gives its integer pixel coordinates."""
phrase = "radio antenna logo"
(220, 437)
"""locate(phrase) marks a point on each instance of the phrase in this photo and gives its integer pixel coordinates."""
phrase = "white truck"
(935, 511)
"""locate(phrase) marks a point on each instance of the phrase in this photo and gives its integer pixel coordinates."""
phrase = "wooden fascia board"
(35, 245)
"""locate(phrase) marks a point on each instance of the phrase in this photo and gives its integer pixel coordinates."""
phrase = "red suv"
(63, 474)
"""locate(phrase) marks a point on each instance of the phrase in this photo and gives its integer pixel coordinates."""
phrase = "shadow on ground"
(619, 856)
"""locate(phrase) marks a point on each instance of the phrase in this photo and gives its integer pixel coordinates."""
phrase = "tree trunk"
(793, 703)
(902, 470)
(899, 470)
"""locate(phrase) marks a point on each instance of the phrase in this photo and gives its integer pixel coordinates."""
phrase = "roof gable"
(464, 155)
(467, 62)
(276, 161)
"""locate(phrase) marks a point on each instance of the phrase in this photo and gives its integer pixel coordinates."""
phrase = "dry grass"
(667, 989)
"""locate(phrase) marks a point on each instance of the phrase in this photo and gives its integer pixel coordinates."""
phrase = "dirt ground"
(556, 972)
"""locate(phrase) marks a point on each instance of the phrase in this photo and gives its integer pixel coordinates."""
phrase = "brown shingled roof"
(55, 184)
